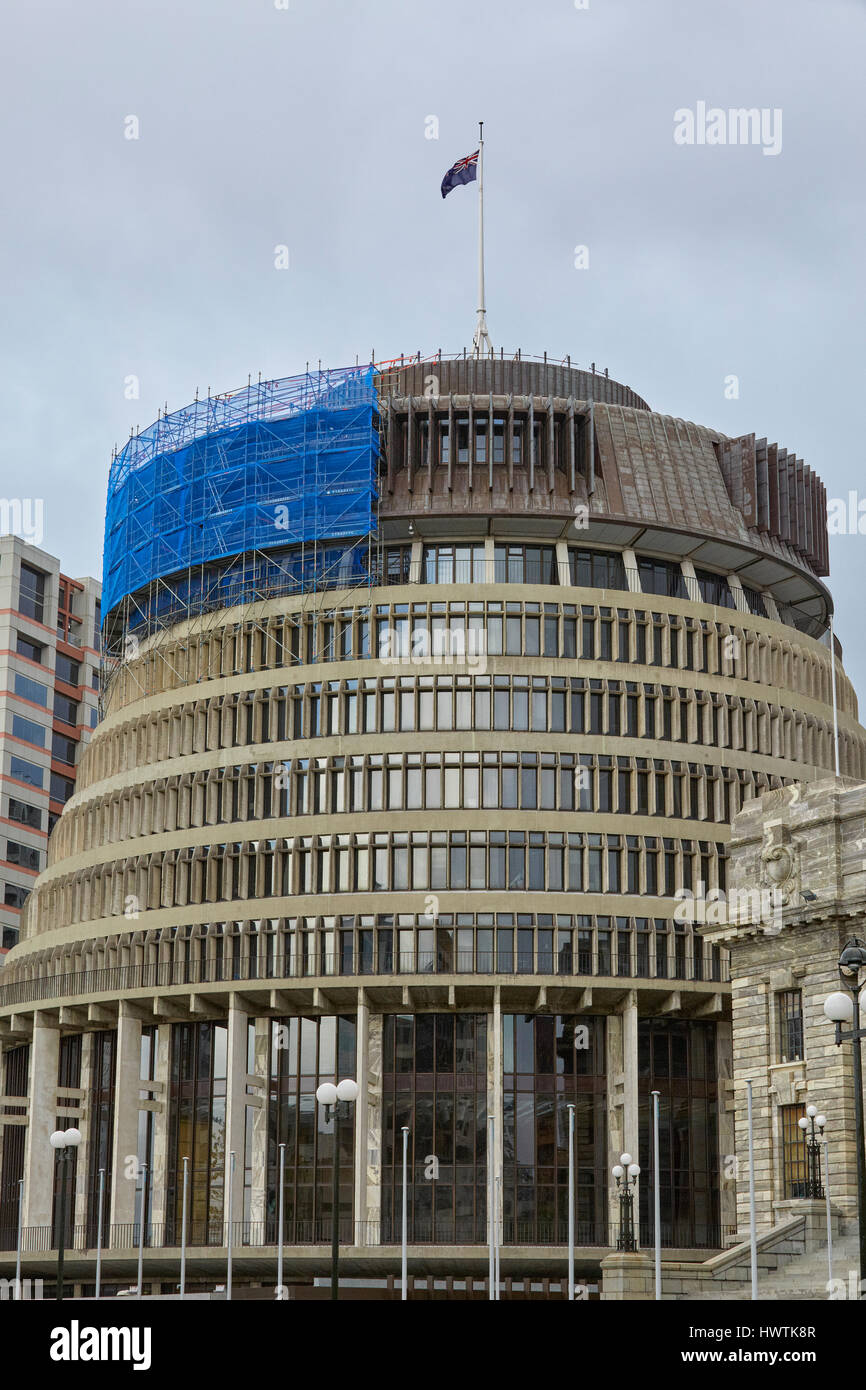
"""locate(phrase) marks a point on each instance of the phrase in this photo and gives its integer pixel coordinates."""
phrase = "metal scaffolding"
(201, 497)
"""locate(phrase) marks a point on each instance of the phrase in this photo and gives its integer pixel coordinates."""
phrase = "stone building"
(437, 804)
(797, 896)
(808, 843)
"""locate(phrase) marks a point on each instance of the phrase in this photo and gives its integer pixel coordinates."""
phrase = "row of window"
(586, 569)
(37, 693)
(65, 669)
(23, 855)
(417, 861)
(430, 631)
(417, 633)
(384, 944)
(62, 748)
(59, 788)
(408, 704)
(24, 813)
(429, 781)
(553, 629)
(402, 943)
(516, 563)
(639, 947)
(14, 895)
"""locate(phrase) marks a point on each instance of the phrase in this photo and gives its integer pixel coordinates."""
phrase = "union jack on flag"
(464, 171)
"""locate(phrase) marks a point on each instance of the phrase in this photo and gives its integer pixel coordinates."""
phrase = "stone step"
(802, 1279)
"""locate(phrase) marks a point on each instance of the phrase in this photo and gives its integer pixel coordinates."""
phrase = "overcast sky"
(261, 126)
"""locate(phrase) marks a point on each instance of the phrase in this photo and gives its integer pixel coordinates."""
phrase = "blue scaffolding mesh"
(275, 464)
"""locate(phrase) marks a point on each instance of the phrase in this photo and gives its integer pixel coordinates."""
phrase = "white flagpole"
(482, 337)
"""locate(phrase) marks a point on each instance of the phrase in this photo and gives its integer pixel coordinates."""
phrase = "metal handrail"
(300, 1232)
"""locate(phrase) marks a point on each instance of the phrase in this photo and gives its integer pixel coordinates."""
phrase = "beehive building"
(430, 690)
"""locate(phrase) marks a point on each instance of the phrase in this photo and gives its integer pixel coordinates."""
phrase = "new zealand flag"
(464, 171)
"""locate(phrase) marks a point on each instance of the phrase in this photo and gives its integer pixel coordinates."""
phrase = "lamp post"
(814, 1188)
(570, 1109)
(65, 1142)
(657, 1199)
(338, 1099)
(404, 1225)
(626, 1174)
(281, 1220)
(101, 1201)
(842, 1008)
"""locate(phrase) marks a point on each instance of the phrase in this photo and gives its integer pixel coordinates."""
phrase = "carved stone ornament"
(780, 863)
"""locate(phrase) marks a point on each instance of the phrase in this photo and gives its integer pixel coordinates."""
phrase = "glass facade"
(551, 1062)
(677, 1057)
(15, 1067)
(434, 1079)
(68, 1075)
(197, 1117)
(304, 1052)
(144, 1147)
(100, 1121)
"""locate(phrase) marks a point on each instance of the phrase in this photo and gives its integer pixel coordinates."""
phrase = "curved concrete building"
(424, 802)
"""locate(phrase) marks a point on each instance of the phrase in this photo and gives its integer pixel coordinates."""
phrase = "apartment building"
(49, 688)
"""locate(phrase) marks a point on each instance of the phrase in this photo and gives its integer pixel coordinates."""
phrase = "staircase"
(803, 1278)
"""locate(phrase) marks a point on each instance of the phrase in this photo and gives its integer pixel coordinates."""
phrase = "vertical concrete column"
(615, 1137)
(259, 1156)
(489, 559)
(236, 1105)
(691, 580)
(632, 578)
(622, 1094)
(562, 570)
(372, 1128)
(160, 1125)
(751, 1019)
(727, 1137)
(124, 1137)
(84, 1122)
(359, 1195)
(38, 1153)
(415, 559)
(629, 1071)
(735, 585)
(770, 605)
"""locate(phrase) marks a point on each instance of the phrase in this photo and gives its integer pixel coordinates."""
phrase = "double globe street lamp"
(626, 1174)
(65, 1143)
(339, 1100)
(814, 1188)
